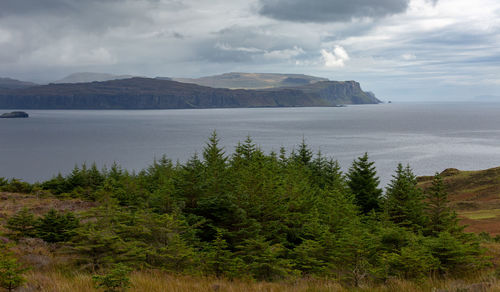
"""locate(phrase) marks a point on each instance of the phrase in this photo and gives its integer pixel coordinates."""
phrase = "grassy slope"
(475, 195)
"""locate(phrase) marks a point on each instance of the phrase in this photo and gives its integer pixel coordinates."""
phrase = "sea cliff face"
(147, 93)
(341, 92)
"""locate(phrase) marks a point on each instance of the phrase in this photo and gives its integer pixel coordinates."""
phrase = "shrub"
(116, 280)
(56, 226)
(11, 272)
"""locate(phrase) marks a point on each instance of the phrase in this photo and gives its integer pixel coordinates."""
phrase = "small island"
(13, 115)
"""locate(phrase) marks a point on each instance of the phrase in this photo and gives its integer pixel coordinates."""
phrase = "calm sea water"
(431, 137)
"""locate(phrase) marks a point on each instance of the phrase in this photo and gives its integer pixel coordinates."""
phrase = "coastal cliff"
(148, 93)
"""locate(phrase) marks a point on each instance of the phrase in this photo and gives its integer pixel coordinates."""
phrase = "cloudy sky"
(403, 50)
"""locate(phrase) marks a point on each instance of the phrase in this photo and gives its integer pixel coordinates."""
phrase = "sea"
(430, 137)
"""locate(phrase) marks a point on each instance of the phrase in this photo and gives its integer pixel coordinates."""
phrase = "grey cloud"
(330, 10)
(55, 7)
(41, 32)
(248, 44)
(89, 15)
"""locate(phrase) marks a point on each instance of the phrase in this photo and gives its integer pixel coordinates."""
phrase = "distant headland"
(231, 90)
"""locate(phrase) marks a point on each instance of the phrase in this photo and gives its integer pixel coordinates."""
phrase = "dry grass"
(10, 203)
(149, 281)
(152, 281)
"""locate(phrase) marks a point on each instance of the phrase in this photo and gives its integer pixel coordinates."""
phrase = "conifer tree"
(215, 167)
(189, 182)
(95, 177)
(22, 224)
(117, 279)
(326, 173)
(244, 151)
(441, 217)
(219, 258)
(403, 201)
(283, 159)
(264, 260)
(107, 241)
(56, 227)
(11, 272)
(303, 155)
(363, 183)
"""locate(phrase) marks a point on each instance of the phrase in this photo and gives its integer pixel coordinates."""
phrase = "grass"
(12, 202)
(481, 214)
(153, 280)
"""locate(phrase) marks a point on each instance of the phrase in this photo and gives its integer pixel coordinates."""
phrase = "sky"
(402, 50)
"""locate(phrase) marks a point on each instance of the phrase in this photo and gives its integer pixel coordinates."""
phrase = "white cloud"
(408, 57)
(335, 58)
(286, 54)
(227, 47)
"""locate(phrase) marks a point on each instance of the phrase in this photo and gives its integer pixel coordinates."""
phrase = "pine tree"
(95, 177)
(326, 173)
(441, 217)
(244, 151)
(303, 155)
(403, 204)
(22, 224)
(363, 183)
(264, 260)
(56, 227)
(11, 272)
(189, 182)
(117, 279)
(163, 234)
(220, 258)
(215, 174)
(99, 245)
(353, 251)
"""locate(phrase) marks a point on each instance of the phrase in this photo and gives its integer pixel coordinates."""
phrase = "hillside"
(238, 80)
(475, 195)
(147, 93)
(9, 83)
(84, 77)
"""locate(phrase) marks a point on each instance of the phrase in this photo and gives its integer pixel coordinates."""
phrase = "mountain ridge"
(9, 83)
(242, 80)
(86, 77)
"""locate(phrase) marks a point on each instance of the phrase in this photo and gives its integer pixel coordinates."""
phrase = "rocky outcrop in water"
(13, 115)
